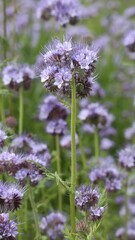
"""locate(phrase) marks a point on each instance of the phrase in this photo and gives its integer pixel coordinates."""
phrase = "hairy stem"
(20, 110)
(2, 113)
(59, 171)
(73, 159)
(35, 213)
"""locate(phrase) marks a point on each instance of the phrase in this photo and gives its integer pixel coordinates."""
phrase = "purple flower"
(126, 157)
(10, 196)
(106, 144)
(96, 213)
(57, 127)
(129, 41)
(53, 225)
(52, 109)
(15, 76)
(63, 12)
(86, 197)
(96, 114)
(65, 60)
(8, 228)
(130, 132)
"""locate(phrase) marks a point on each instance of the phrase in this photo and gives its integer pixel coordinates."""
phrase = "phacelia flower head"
(96, 114)
(52, 109)
(64, 12)
(65, 60)
(10, 196)
(126, 157)
(53, 225)
(15, 76)
(129, 41)
(55, 114)
(107, 174)
(8, 228)
(86, 197)
(96, 213)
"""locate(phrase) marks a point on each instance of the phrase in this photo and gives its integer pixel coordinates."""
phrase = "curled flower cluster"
(109, 175)
(126, 157)
(66, 60)
(55, 114)
(8, 228)
(28, 164)
(96, 115)
(64, 12)
(86, 199)
(10, 196)
(120, 233)
(15, 76)
(53, 225)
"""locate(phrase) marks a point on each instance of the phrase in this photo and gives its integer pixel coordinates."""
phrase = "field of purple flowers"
(67, 128)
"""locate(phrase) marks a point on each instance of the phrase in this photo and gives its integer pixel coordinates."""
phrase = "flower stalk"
(35, 213)
(20, 110)
(59, 172)
(73, 158)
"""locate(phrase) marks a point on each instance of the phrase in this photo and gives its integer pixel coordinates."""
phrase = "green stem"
(96, 142)
(14, 30)
(35, 213)
(73, 158)
(19, 219)
(25, 213)
(20, 110)
(4, 30)
(126, 208)
(59, 172)
(2, 113)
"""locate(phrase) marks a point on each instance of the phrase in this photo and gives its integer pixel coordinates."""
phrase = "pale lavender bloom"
(22, 142)
(64, 12)
(130, 132)
(109, 175)
(53, 225)
(129, 41)
(86, 197)
(10, 196)
(96, 213)
(96, 114)
(126, 157)
(130, 231)
(129, 12)
(64, 60)
(52, 109)
(106, 144)
(8, 161)
(8, 228)
(65, 141)
(57, 127)
(113, 185)
(15, 76)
